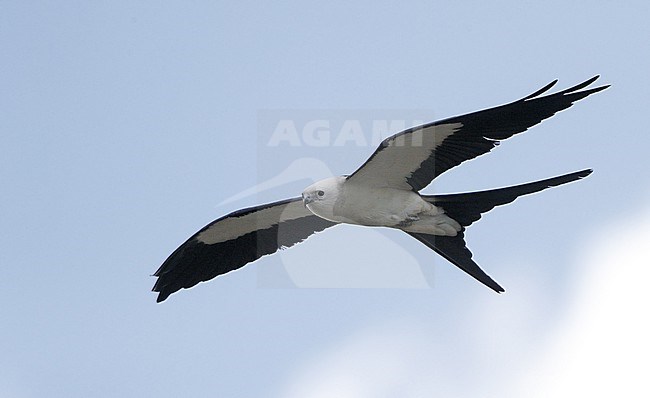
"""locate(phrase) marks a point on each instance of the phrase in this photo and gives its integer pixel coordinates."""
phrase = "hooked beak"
(307, 199)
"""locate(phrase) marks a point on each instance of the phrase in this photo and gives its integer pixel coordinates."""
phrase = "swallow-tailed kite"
(383, 192)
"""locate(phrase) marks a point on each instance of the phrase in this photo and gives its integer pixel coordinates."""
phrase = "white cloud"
(600, 347)
(373, 363)
(603, 347)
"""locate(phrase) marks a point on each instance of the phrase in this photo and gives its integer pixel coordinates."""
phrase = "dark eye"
(320, 194)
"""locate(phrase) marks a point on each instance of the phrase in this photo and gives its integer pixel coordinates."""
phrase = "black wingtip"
(576, 175)
(162, 293)
(585, 173)
(569, 90)
(583, 85)
(541, 90)
(162, 296)
(596, 89)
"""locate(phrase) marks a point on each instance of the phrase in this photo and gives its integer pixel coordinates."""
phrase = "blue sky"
(125, 125)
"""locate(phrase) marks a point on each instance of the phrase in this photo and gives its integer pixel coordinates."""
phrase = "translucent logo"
(298, 148)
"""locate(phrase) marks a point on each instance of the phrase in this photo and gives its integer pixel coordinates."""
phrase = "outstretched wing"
(411, 159)
(235, 240)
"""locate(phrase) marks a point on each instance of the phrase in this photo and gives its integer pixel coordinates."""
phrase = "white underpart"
(234, 227)
(348, 202)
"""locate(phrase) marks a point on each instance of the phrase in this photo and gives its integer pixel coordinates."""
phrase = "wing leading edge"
(415, 157)
(235, 240)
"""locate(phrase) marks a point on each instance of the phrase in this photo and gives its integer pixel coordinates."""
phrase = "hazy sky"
(126, 126)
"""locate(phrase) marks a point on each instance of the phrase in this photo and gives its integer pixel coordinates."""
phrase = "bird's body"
(383, 192)
(348, 202)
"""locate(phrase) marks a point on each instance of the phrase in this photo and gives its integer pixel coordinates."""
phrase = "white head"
(321, 197)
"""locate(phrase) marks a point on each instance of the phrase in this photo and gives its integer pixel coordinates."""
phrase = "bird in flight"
(383, 192)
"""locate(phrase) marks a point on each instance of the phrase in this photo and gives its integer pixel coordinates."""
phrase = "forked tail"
(466, 208)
